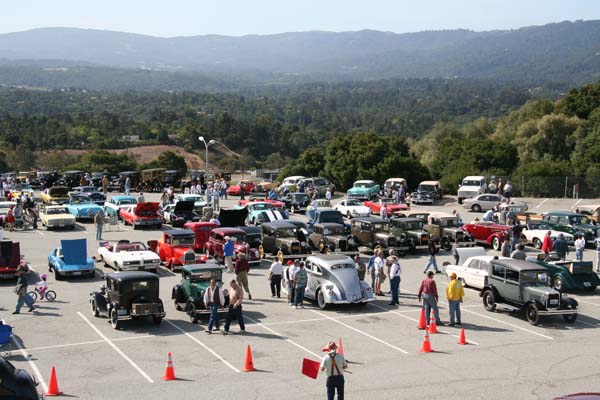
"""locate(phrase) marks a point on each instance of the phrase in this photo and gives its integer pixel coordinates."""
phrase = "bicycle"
(49, 295)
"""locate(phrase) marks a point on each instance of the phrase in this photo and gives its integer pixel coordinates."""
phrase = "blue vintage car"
(82, 207)
(363, 190)
(116, 203)
(70, 259)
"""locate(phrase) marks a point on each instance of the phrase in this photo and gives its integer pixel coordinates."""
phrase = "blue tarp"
(74, 251)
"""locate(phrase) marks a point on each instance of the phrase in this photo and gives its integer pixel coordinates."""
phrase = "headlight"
(303, 243)
(127, 263)
(329, 287)
(564, 296)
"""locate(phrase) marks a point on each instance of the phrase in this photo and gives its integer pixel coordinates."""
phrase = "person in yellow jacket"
(454, 294)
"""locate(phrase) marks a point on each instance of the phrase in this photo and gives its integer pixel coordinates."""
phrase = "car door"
(498, 278)
(311, 284)
(512, 288)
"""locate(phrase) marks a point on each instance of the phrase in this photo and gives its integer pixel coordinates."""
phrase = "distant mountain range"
(567, 52)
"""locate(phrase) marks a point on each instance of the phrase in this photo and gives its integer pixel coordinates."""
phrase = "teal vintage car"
(116, 203)
(363, 190)
(83, 207)
(255, 211)
(573, 223)
(568, 275)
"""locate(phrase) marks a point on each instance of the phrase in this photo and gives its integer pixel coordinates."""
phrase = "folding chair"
(5, 334)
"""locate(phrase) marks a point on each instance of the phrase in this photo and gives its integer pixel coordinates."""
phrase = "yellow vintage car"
(592, 211)
(53, 217)
(55, 195)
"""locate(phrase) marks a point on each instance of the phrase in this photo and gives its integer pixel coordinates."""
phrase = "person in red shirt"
(547, 244)
(429, 294)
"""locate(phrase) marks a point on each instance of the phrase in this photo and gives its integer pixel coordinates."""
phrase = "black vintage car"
(253, 235)
(179, 213)
(16, 383)
(172, 178)
(282, 235)
(296, 202)
(128, 295)
(330, 236)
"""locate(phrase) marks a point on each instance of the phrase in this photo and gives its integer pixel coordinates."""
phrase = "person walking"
(371, 268)
(99, 221)
(379, 273)
(361, 269)
(432, 261)
(429, 295)
(505, 248)
(547, 244)
(328, 194)
(236, 297)
(21, 290)
(275, 275)
(216, 196)
(242, 191)
(141, 198)
(300, 281)
(213, 297)
(290, 271)
(105, 183)
(164, 198)
(241, 272)
(395, 271)
(516, 231)
(561, 247)
(519, 253)
(228, 249)
(579, 247)
(334, 364)
(455, 254)
(454, 294)
(18, 212)
(127, 186)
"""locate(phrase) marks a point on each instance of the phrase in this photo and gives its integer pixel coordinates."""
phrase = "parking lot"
(506, 357)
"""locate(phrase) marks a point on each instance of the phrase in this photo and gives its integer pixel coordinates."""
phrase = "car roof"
(562, 213)
(473, 177)
(396, 180)
(430, 183)
(132, 276)
(365, 180)
(329, 225)
(518, 265)
(201, 267)
(280, 224)
(408, 219)
(179, 232)
(228, 230)
(441, 214)
(330, 258)
(249, 229)
(122, 197)
(370, 219)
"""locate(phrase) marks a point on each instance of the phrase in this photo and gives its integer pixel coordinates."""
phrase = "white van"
(471, 186)
(290, 183)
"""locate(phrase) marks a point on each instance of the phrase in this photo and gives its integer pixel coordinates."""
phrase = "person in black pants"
(275, 275)
(236, 296)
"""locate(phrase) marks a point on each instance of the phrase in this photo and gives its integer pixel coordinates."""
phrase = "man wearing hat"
(334, 365)
(454, 294)
(228, 253)
(21, 288)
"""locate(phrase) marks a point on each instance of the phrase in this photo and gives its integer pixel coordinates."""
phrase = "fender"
(175, 291)
(101, 303)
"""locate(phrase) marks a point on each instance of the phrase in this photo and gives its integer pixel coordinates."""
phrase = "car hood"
(136, 255)
(469, 189)
(359, 190)
(184, 206)
(74, 251)
(232, 218)
(50, 217)
(147, 208)
(417, 233)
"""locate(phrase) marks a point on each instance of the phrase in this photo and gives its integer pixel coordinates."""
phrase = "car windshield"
(342, 266)
(471, 183)
(381, 227)
(301, 197)
(451, 222)
(81, 200)
(89, 189)
(363, 184)
(331, 216)
(414, 225)
(54, 211)
(578, 220)
(333, 230)
(124, 202)
(205, 276)
(544, 227)
(387, 201)
(353, 202)
(183, 240)
(253, 237)
(134, 246)
(534, 278)
(260, 206)
(239, 237)
(286, 232)
(192, 197)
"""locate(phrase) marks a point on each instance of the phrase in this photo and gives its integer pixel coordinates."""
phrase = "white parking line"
(58, 346)
(34, 367)
(539, 205)
(586, 302)
(114, 346)
(361, 332)
(576, 203)
(282, 336)
(40, 232)
(203, 345)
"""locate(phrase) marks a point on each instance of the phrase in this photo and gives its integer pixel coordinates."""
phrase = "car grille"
(144, 308)
(58, 222)
(295, 248)
(553, 301)
(343, 245)
(424, 239)
(391, 241)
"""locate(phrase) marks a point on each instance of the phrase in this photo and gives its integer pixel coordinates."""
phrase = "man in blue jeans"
(429, 294)
(213, 297)
(395, 271)
(300, 280)
(432, 261)
(236, 296)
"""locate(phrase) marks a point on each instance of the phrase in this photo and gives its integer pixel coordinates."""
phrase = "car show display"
(124, 255)
(70, 259)
(142, 215)
(54, 217)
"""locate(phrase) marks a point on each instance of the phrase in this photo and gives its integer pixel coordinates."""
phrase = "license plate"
(553, 301)
(61, 225)
(77, 273)
(6, 275)
(587, 284)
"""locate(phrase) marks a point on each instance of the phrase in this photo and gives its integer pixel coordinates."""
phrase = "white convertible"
(352, 208)
(474, 270)
(535, 232)
(128, 256)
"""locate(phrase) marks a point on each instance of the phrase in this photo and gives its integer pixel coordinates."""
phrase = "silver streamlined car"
(333, 279)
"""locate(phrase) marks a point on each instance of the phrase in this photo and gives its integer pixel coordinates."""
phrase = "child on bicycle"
(42, 285)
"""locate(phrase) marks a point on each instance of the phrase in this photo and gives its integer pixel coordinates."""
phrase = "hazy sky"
(239, 17)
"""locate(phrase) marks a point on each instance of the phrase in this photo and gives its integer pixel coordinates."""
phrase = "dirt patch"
(145, 154)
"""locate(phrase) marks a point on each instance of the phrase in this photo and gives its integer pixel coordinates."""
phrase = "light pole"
(201, 138)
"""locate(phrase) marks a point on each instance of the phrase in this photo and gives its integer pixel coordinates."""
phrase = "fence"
(557, 186)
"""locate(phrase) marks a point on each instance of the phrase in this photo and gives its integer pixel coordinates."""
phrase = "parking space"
(381, 342)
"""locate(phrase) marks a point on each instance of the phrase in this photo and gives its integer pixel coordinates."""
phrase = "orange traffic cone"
(426, 348)
(53, 386)
(340, 349)
(462, 339)
(169, 371)
(248, 363)
(432, 325)
(422, 321)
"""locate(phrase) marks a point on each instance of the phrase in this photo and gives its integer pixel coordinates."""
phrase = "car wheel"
(488, 300)
(558, 284)
(446, 245)
(476, 208)
(401, 253)
(157, 320)
(460, 200)
(321, 300)
(192, 313)
(589, 289)
(95, 311)
(496, 244)
(292, 209)
(537, 243)
(114, 320)
(570, 318)
(532, 313)
(412, 249)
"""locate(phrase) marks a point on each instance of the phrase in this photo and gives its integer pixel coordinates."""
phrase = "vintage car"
(333, 279)
(443, 227)
(253, 235)
(53, 217)
(363, 190)
(258, 198)
(392, 185)
(18, 190)
(592, 211)
(201, 231)
(572, 223)
(535, 232)
(353, 208)
(258, 212)
(483, 202)
(524, 286)
(15, 383)
(265, 186)
(142, 215)
(427, 192)
(330, 236)
(10, 258)
(290, 184)
(296, 202)
(199, 201)
(488, 233)
(320, 185)
(176, 248)
(70, 259)
(284, 236)
(372, 232)
(179, 213)
(114, 206)
(568, 275)
(515, 207)
(474, 270)
(82, 207)
(410, 232)
(128, 295)
(55, 195)
(188, 295)
(392, 208)
(214, 246)
(470, 187)
(329, 215)
(92, 192)
(124, 255)
(235, 190)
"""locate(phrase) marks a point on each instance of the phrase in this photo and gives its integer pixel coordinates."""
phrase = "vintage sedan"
(290, 184)
(296, 202)
(483, 202)
(199, 201)
(255, 210)
(411, 232)
(353, 208)
(488, 233)
(568, 275)
(128, 256)
(330, 236)
(201, 231)
(277, 204)
(372, 232)
(283, 236)
(573, 223)
(92, 192)
(427, 192)
(474, 271)
(55, 195)
(445, 227)
(53, 217)
(535, 232)
(179, 213)
(363, 190)
(333, 279)
(236, 190)
(142, 215)
(114, 206)
(82, 207)
(217, 239)
(253, 235)
(392, 208)
(70, 259)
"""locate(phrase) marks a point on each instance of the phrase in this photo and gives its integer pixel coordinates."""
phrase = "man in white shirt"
(379, 274)
(395, 271)
(579, 247)
(290, 272)
(275, 275)
(213, 297)
(334, 365)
